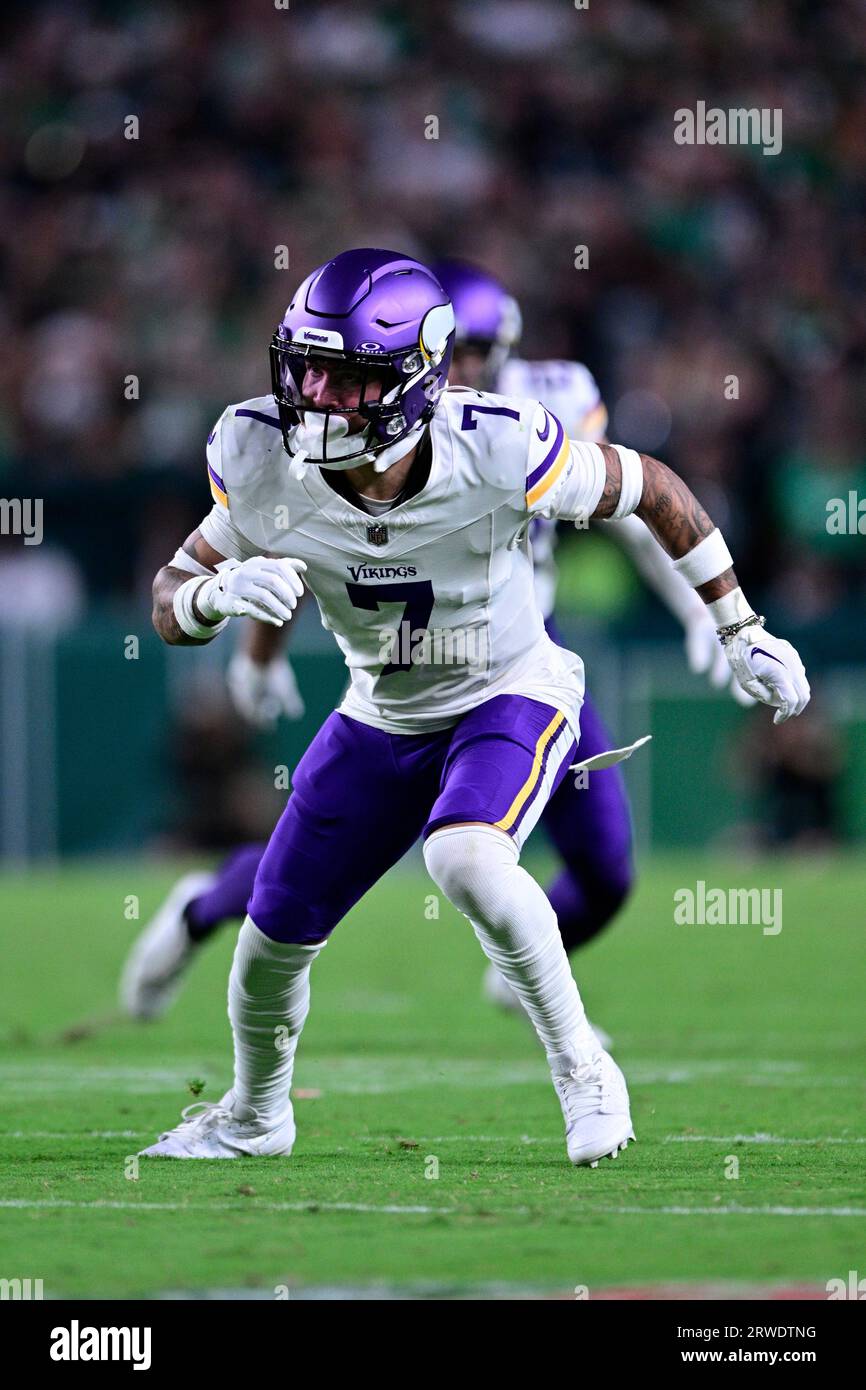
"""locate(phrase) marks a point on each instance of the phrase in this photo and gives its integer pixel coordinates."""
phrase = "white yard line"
(372, 1292)
(761, 1139)
(408, 1140)
(74, 1134)
(46, 1203)
(367, 1208)
(386, 1074)
(726, 1291)
(731, 1209)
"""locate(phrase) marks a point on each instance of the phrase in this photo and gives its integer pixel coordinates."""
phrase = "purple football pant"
(591, 829)
(589, 826)
(229, 893)
(362, 797)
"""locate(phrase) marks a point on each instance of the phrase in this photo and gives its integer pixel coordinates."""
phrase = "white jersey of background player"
(569, 389)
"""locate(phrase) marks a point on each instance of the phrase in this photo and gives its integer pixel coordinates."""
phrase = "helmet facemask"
(386, 319)
(319, 434)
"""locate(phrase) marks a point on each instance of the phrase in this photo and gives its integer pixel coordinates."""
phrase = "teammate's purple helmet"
(487, 315)
(376, 310)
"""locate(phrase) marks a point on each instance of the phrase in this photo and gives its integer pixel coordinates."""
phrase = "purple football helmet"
(487, 316)
(383, 313)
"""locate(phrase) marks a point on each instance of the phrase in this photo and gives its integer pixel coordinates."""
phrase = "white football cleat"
(496, 990)
(209, 1130)
(594, 1100)
(161, 952)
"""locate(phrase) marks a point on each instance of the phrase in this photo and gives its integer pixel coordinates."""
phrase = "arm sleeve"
(564, 480)
(655, 566)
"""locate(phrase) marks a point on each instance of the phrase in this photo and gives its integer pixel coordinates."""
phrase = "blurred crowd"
(722, 308)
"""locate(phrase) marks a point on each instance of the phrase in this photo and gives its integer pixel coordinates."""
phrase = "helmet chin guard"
(307, 443)
(388, 318)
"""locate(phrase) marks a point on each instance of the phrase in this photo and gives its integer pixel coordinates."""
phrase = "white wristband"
(730, 608)
(632, 482)
(187, 619)
(181, 560)
(707, 560)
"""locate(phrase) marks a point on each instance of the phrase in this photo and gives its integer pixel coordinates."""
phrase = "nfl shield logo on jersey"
(377, 535)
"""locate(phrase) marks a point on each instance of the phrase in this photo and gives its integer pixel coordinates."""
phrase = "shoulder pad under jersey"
(513, 443)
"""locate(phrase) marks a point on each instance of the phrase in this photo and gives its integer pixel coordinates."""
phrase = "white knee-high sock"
(269, 999)
(476, 867)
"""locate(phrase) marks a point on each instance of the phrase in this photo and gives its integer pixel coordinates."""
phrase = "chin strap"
(297, 464)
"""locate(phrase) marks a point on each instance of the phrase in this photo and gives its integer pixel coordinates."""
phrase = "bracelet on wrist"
(725, 634)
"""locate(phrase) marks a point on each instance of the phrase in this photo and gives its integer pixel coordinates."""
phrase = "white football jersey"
(568, 389)
(433, 603)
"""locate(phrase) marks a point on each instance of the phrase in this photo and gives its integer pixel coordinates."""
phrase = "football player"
(405, 508)
(588, 819)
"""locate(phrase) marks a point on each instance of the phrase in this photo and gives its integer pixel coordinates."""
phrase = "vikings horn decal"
(438, 323)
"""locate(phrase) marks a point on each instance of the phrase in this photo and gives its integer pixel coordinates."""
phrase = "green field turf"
(735, 1043)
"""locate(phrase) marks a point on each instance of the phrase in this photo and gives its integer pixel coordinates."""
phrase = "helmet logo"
(437, 325)
(369, 347)
(326, 337)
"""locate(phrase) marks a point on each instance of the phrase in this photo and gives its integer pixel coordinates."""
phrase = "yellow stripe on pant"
(534, 777)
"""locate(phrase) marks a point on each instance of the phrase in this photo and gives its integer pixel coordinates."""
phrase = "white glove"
(265, 589)
(705, 654)
(770, 670)
(261, 693)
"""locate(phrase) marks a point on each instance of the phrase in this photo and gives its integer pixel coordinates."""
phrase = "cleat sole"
(614, 1153)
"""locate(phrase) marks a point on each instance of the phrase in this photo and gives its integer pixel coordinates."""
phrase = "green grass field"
(735, 1044)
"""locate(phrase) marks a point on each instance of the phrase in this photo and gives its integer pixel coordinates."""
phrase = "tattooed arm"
(671, 511)
(166, 583)
(768, 669)
(609, 482)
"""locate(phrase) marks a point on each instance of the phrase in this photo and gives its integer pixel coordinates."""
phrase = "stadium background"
(306, 129)
(121, 764)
